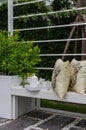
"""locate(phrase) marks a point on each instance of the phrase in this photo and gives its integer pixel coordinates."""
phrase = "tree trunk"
(68, 42)
(82, 18)
(76, 43)
(80, 3)
(83, 49)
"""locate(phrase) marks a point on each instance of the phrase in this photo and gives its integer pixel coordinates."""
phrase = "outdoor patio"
(46, 120)
(51, 29)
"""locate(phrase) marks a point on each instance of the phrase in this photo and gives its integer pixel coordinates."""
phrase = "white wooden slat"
(72, 54)
(50, 27)
(71, 97)
(25, 3)
(48, 13)
(10, 16)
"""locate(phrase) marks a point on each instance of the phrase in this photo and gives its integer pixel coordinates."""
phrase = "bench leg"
(22, 105)
(15, 107)
(38, 103)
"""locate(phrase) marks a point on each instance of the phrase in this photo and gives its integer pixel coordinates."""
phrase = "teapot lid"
(34, 76)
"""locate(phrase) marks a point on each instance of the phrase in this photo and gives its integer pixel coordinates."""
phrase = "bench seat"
(49, 94)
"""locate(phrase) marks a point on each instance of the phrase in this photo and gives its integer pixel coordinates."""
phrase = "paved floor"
(45, 120)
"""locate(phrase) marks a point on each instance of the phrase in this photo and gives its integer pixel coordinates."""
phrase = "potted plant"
(17, 61)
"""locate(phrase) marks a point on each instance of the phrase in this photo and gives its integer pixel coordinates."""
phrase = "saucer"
(28, 87)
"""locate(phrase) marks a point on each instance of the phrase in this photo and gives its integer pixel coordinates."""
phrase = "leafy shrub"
(17, 57)
(43, 34)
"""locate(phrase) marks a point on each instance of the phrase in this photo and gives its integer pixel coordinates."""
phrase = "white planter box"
(6, 101)
(6, 82)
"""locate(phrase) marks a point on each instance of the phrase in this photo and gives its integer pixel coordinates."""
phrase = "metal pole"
(47, 27)
(48, 13)
(10, 16)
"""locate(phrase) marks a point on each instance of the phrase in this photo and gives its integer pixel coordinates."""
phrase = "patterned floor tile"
(57, 122)
(19, 124)
(82, 124)
(39, 114)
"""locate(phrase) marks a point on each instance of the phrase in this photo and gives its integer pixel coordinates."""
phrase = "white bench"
(19, 91)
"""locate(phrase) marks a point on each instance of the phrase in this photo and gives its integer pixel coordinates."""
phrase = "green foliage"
(81, 108)
(17, 57)
(3, 16)
(43, 34)
(62, 4)
(38, 7)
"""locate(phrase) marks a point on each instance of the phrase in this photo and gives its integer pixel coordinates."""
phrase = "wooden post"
(10, 16)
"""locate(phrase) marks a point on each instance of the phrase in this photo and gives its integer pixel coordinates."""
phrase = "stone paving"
(45, 120)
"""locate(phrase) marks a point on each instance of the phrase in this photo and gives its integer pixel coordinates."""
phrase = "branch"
(70, 35)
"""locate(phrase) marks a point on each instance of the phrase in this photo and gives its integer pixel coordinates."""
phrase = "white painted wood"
(15, 80)
(48, 13)
(5, 97)
(12, 106)
(6, 82)
(15, 107)
(30, 2)
(71, 97)
(25, 105)
(38, 103)
(46, 27)
(49, 94)
(10, 16)
(22, 105)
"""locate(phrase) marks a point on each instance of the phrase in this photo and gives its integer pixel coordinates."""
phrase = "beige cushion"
(61, 77)
(78, 76)
(56, 71)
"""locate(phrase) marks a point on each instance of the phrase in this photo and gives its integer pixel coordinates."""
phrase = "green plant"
(44, 34)
(16, 56)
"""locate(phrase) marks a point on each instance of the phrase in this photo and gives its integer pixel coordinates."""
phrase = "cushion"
(78, 76)
(61, 77)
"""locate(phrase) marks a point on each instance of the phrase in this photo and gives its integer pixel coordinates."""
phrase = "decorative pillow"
(56, 71)
(61, 77)
(78, 76)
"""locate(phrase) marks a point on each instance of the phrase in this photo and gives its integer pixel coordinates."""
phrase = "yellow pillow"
(78, 76)
(56, 71)
(61, 78)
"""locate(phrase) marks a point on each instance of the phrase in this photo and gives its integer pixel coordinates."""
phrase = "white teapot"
(33, 81)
